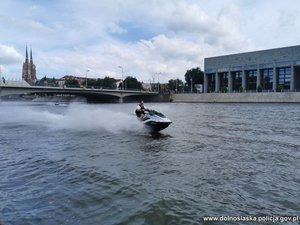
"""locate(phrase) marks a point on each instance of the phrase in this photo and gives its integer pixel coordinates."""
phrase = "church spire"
(31, 60)
(26, 60)
(29, 69)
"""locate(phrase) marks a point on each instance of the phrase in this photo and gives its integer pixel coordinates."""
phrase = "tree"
(279, 88)
(259, 88)
(72, 83)
(109, 82)
(176, 85)
(131, 83)
(95, 83)
(196, 75)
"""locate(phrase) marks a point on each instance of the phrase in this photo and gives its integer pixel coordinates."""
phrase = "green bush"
(259, 88)
(279, 88)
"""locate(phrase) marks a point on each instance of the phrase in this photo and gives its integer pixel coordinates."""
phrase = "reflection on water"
(160, 135)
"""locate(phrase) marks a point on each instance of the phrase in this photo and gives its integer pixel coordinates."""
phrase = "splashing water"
(76, 117)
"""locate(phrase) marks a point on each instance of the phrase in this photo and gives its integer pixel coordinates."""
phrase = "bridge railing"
(76, 89)
(95, 88)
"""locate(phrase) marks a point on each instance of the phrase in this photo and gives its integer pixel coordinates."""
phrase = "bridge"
(91, 94)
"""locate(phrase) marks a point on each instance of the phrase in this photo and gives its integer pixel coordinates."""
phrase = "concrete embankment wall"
(262, 97)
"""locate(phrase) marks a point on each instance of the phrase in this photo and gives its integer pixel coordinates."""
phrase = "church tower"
(29, 70)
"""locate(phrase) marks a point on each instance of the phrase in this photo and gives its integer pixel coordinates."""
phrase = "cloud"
(9, 55)
(222, 30)
(189, 18)
(170, 56)
(185, 35)
(167, 49)
(145, 37)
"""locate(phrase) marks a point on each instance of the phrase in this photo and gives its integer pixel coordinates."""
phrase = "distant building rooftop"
(15, 83)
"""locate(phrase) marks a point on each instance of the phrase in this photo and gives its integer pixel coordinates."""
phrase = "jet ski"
(155, 120)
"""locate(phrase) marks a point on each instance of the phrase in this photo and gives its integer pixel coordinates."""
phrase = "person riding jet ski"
(141, 109)
(154, 120)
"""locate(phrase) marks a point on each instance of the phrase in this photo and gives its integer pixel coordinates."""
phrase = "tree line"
(192, 77)
(107, 82)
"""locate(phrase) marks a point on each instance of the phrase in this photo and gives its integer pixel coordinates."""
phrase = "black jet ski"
(155, 121)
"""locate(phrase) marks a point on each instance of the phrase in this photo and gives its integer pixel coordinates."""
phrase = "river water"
(85, 164)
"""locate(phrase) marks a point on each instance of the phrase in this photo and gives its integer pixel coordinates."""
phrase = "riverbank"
(261, 97)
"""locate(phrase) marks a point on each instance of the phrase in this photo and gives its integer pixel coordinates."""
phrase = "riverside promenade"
(258, 97)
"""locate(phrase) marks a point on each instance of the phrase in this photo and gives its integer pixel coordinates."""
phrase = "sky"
(148, 39)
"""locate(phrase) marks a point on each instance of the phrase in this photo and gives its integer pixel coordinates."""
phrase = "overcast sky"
(145, 37)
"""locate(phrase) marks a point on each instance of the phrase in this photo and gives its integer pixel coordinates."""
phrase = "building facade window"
(236, 80)
(251, 77)
(267, 79)
(265, 70)
(284, 78)
(297, 78)
(211, 83)
(223, 82)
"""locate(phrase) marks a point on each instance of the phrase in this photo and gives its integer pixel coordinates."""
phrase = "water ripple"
(222, 159)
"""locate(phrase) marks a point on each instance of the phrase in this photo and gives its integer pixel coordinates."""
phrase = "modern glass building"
(268, 70)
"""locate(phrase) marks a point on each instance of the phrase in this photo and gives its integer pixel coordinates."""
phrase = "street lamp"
(150, 85)
(158, 81)
(122, 87)
(153, 82)
(86, 72)
(0, 75)
(191, 85)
